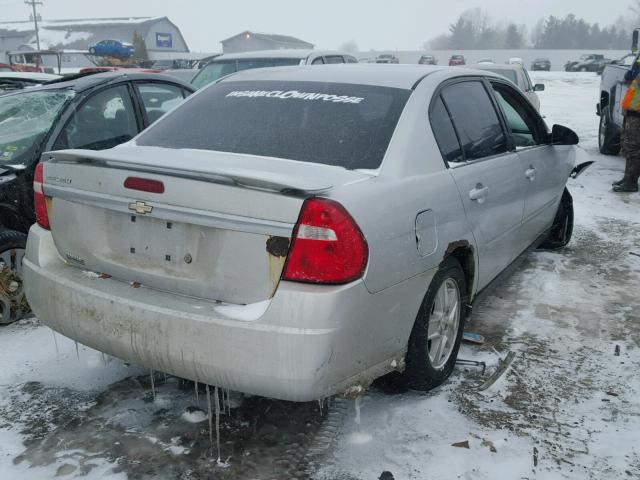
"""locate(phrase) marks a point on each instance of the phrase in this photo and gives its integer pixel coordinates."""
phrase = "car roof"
(86, 82)
(284, 53)
(37, 76)
(384, 75)
(498, 66)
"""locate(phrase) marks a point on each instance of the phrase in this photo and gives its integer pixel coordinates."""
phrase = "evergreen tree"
(462, 35)
(140, 48)
(513, 37)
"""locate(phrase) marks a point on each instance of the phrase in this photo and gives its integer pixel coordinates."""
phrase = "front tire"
(562, 228)
(92, 51)
(437, 331)
(13, 303)
(608, 141)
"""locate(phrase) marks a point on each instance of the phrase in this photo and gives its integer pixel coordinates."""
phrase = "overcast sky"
(373, 24)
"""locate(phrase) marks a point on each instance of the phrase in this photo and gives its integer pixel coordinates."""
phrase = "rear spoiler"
(250, 176)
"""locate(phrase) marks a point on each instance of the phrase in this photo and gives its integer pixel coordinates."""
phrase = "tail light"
(328, 246)
(42, 217)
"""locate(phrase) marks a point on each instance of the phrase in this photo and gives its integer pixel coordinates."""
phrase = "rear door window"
(445, 133)
(158, 99)
(333, 59)
(317, 61)
(105, 120)
(330, 123)
(475, 119)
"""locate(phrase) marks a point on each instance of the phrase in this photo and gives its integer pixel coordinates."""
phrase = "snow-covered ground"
(569, 408)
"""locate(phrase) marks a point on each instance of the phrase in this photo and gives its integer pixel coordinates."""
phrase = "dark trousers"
(631, 149)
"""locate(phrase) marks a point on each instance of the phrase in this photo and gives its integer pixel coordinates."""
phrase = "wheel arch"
(11, 219)
(464, 253)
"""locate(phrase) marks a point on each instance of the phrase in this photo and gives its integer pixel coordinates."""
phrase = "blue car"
(112, 48)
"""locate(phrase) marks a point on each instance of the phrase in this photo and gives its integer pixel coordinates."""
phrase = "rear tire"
(437, 331)
(562, 228)
(13, 304)
(608, 141)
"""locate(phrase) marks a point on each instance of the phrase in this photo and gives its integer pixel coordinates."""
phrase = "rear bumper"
(310, 342)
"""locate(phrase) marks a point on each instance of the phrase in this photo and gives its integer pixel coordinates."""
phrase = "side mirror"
(538, 87)
(563, 136)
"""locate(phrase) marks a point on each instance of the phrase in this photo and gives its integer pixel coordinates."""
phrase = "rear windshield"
(220, 68)
(329, 123)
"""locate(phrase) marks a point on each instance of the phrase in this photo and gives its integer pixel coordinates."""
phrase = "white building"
(162, 37)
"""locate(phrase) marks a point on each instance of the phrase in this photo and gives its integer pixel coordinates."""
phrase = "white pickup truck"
(612, 90)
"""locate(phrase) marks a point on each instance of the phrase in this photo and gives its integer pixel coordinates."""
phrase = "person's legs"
(631, 151)
(623, 152)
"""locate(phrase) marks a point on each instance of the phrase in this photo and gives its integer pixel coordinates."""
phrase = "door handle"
(531, 173)
(479, 193)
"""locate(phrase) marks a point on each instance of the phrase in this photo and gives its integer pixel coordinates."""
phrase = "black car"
(588, 63)
(543, 64)
(92, 112)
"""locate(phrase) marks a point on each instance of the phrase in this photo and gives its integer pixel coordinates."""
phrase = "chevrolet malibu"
(298, 231)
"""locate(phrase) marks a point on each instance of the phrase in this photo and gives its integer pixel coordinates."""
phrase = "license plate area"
(151, 242)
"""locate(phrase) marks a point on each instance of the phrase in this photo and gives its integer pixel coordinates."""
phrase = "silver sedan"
(296, 232)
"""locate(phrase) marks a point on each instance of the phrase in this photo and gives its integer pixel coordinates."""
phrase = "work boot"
(625, 187)
(619, 182)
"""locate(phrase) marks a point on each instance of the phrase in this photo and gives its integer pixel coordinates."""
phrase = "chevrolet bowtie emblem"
(140, 208)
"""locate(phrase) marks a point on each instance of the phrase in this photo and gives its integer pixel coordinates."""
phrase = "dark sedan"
(541, 64)
(92, 112)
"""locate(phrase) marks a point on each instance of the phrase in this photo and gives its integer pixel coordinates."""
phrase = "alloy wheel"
(444, 321)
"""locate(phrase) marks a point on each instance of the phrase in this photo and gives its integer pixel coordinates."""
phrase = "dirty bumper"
(308, 343)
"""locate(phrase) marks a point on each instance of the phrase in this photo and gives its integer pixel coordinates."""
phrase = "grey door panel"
(493, 196)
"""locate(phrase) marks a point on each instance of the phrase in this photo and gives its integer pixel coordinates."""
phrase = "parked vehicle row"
(289, 284)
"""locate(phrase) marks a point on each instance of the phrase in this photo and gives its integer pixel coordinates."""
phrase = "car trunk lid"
(220, 230)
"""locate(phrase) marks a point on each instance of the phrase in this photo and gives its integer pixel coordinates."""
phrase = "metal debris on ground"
(464, 444)
(501, 370)
(471, 337)
(472, 363)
